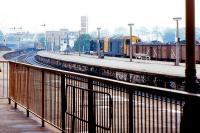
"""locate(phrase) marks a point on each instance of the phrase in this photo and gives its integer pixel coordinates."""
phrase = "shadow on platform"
(15, 121)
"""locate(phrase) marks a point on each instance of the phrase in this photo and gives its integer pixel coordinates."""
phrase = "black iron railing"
(75, 102)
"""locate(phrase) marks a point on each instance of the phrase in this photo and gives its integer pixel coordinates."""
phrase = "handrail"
(75, 102)
(129, 85)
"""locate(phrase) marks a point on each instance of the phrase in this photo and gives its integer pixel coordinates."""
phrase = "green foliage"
(182, 33)
(1, 36)
(84, 42)
(169, 35)
(41, 40)
(121, 31)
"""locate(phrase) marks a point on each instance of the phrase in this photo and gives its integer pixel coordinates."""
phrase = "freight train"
(120, 47)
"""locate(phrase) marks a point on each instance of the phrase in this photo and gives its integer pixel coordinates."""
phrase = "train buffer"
(142, 56)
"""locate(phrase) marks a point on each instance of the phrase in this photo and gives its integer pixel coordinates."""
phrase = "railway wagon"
(116, 46)
(105, 46)
(165, 52)
(157, 52)
(135, 40)
(120, 47)
(94, 46)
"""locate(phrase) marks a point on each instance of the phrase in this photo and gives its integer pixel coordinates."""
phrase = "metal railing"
(75, 102)
(4, 79)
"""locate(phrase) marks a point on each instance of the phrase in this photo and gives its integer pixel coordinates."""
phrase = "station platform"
(15, 121)
(148, 66)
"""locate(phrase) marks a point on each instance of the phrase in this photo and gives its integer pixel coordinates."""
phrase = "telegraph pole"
(177, 41)
(131, 47)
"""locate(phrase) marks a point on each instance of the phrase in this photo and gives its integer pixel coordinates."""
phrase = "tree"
(143, 33)
(121, 31)
(182, 33)
(1, 36)
(41, 39)
(84, 42)
(143, 30)
(156, 33)
(93, 34)
(169, 35)
(105, 33)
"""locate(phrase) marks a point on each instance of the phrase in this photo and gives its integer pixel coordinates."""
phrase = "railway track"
(29, 58)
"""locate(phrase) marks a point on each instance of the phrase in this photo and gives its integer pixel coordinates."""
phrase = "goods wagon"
(120, 47)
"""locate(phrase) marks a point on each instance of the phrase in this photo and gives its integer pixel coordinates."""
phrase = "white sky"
(108, 14)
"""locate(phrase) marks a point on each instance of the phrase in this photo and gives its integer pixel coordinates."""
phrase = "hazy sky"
(108, 14)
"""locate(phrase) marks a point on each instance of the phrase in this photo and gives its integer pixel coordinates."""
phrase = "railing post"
(28, 75)
(91, 108)
(63, 102)
(15, 105)
(9, 72)
(73, 111)
(42, 98)
(3, 79)
(131, 111)
(16, 87)
(9, 101)
(8, 64)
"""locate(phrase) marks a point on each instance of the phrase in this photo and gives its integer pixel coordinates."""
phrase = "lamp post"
(98, 29)
(131, 49)
(45, 43)
(177, 19)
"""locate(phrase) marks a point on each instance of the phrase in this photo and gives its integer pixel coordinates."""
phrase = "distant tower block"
(84, 24)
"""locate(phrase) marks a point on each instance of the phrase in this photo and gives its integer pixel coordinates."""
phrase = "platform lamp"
(131, 49)
(177, 19)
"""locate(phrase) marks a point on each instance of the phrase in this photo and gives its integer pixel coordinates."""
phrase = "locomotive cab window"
(110, 46)
(128, 41)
